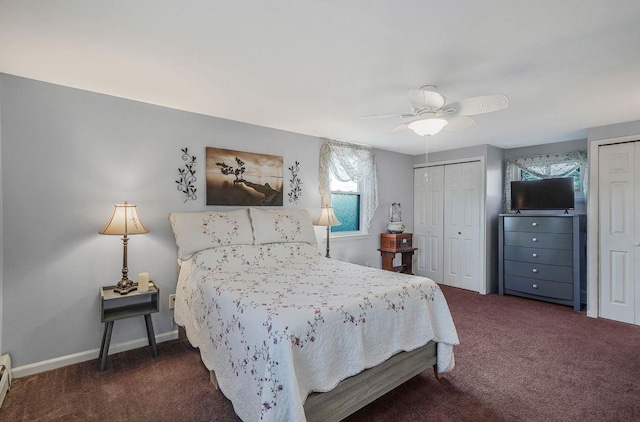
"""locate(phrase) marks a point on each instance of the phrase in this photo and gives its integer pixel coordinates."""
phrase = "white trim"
(593, 218)
(452, 161)
(335, 237)
(59, 362)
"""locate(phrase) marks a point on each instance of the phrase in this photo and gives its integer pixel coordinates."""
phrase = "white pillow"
(197, 231)
(282, 226)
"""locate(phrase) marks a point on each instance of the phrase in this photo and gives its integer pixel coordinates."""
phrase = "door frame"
(484, 239)
(593, 222)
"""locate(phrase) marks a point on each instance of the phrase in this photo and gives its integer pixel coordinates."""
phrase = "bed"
(290, 335)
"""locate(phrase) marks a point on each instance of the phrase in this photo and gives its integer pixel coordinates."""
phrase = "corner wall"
(1, 236)
(69, 155)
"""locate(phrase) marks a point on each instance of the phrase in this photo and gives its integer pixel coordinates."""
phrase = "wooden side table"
(114, 306)
(390, 245)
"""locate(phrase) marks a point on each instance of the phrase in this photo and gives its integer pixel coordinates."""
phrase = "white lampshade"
(428, 127)
(124, 221)
(327, 218)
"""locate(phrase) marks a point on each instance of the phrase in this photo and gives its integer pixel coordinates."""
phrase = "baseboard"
(46, 365)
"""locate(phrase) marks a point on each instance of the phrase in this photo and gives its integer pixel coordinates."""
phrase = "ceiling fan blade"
(399, 128)
(426, 97)
(385, 116)
(379, 116)
(479, 105)
(459, 123)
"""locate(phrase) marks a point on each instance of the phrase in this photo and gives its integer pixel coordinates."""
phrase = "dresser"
(543, 257)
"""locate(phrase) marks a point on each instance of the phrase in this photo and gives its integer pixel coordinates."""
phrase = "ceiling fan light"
(428, 127)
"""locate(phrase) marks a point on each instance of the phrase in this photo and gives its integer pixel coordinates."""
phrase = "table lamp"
(123, 222)
(327, 218)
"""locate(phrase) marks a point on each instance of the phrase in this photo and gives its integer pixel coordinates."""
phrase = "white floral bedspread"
(279, 321)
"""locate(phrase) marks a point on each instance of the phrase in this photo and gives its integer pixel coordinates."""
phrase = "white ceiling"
(314, 67)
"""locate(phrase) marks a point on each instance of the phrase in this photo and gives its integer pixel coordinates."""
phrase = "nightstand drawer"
(539, 271)
(539, 240)
(539, 255)
(544, 288)
(539, 224)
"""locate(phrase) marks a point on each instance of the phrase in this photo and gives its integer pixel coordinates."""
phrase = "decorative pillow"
(282, 226)
(197, 231)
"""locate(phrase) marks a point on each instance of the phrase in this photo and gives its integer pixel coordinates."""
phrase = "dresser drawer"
(539, 271)
(538, 224)
(544, 288)
(539, 255)
(539, 240)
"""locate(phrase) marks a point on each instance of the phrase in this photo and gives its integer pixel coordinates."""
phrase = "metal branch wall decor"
(187, 176)
(295, 183)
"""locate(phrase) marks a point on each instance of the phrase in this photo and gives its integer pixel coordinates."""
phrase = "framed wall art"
(243, 178)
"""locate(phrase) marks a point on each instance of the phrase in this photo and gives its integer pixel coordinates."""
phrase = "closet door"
(619, 206)
(462, 260)
(428, 224)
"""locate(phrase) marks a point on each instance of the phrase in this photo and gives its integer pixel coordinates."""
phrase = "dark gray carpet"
(519, 360)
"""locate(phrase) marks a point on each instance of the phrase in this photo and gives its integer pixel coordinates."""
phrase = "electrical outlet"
(172, 301)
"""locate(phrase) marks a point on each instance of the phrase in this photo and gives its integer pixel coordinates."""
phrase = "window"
(348, 181)
(577, 181)
(345, 199)
(566, 164)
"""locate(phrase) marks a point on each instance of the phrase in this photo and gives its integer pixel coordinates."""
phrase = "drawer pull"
(535, 255)
(535, 239)
(534, 224)
(535, 286)
(535, 270)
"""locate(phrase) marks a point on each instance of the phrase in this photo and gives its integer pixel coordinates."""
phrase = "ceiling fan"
(430, 114)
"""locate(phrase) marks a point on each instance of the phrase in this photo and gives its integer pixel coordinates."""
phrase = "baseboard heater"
(5, 376)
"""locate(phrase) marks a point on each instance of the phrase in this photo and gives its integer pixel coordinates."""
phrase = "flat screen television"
(543, 194)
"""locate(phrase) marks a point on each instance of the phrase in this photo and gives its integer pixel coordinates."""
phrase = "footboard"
(355, 392)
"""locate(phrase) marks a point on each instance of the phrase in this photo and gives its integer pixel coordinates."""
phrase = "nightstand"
(390, 245)
(114, 306)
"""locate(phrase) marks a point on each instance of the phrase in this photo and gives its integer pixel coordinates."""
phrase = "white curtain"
(546, 166)
(349, 162)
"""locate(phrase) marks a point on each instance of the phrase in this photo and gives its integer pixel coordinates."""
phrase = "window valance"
(346, 161)
(545, 166)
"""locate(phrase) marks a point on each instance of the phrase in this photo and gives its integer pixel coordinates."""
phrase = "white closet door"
(463, 188)
(429, 221)
(619, 179)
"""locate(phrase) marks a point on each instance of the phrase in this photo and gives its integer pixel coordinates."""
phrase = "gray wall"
(555, 148)
(452, 154)
(69, 155)
(493, 208)
(613, 131)
(1, 237)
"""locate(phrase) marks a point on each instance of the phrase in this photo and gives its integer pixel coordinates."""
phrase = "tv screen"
(543, 194)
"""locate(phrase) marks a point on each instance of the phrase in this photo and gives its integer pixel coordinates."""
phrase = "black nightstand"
(114, 306)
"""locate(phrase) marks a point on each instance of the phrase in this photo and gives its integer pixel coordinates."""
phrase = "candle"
(143, 282)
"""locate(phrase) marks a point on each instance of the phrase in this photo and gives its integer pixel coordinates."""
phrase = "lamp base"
(125, 286)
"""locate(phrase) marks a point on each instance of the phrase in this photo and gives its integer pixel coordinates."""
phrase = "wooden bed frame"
(354, 393)
(359, 390)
